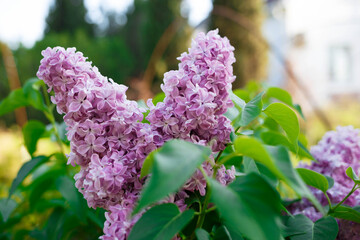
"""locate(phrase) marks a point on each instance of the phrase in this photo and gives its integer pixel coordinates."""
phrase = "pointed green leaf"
(148, 163)
(314, 179)
(249, 207)
(32, 131)
(251, 110)
(222, 233)
(280, 94)
(15, 100)
(173, 165)
(201, 234)
(274, 139)
(287, 119)
(7, 206)
(291, 177)
(158, 98)
(160, 222)
(25, 170)
(251, 147)
(283, 96)
(351, 174)
(66, 187)
(234, 113)
(347, 213)
(33, 94)
(330, 181)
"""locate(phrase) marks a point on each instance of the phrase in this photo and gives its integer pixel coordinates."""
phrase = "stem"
(201, 218)
(347, 196)
(328, 199)
(211, 209)
(219, 155)
(237, 129)
(50, 116)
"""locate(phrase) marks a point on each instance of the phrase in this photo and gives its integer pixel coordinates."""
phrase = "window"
(340, 64)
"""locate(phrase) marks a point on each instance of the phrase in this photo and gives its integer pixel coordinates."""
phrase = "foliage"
(68, 16)
(250, 207)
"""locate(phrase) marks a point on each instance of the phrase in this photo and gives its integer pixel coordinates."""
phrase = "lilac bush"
(335, 152)
(110, 142)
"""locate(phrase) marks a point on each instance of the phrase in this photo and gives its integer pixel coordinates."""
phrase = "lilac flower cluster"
(197, 95)
(336, 151)
(108, 139)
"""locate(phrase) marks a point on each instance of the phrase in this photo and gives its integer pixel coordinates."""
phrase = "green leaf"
(25, 170)
(158, 98)
(251, 110)
(160, 222)
(32, 131)
(249, 207)
(43, 182)
(15, 100)
(299, 110)
(97, 216)
(351, 174)
(250, 165)
(280, 94)
(33, 94)
(287, 119)
(173, 165)
(314, 179)
(290, 176)
(277, 160)
(7, 206)
(274, 139)
(148, 163)
(330, 181)
(243, 94)
(201, 234)
(234, 113)
(346, 213)
(300, 227)
(54, 224)
(222, 233)
(283, 96)
(66, 187)
(251, 147)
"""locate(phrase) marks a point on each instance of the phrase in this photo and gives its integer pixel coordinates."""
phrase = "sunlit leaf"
(25, 170)
(32, 131)
(160, 222)
(249, 207)
(173, 165)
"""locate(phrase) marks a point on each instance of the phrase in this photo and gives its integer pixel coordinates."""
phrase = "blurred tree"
(147, 22)
(68, 16)
(241, 22)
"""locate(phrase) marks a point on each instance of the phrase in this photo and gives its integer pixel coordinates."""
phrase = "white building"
(323, 46)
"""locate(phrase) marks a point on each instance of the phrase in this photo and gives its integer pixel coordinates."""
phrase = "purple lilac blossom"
(197, 95)
(335, 152)
(108, 140)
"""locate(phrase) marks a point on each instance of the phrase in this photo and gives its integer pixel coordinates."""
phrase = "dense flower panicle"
(197, 95)
(336, 151)
(107, 139)
(110, 143)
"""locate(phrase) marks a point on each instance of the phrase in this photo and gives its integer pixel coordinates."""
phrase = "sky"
(23, 21)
